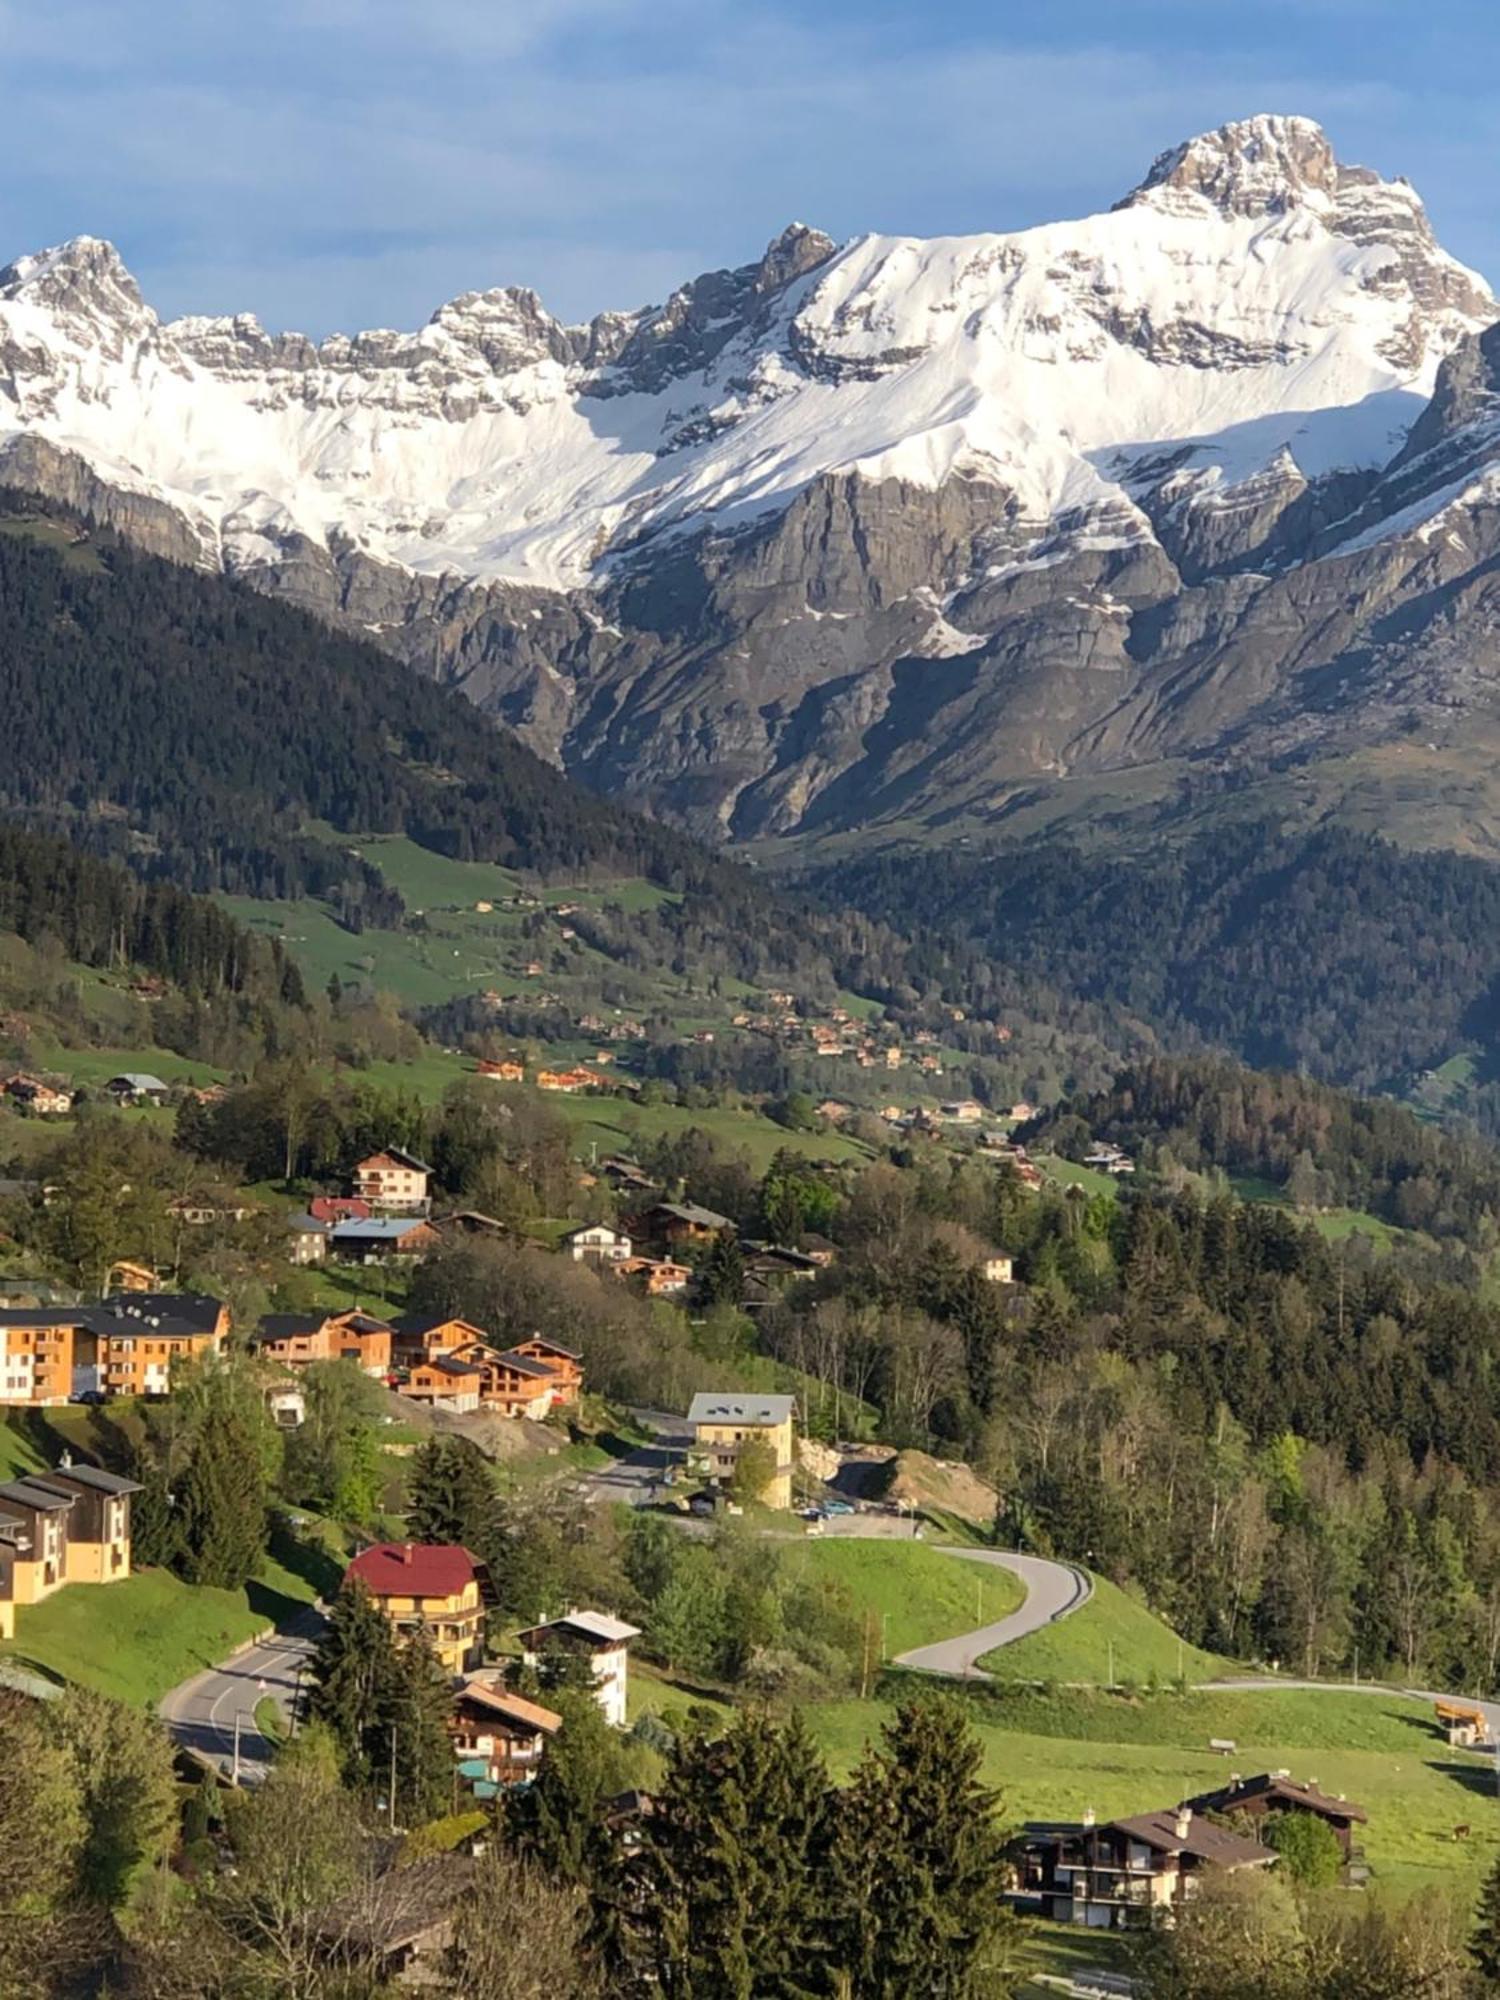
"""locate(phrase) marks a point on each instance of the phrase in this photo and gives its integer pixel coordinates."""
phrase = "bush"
(1308, 1846)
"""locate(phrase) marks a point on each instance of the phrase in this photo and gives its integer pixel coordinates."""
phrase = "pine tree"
(558, 1821)
(451, 1494)
(730, 1868)
(916, 1858)
(413, 1718)
(353, 1672)
(223, 1501)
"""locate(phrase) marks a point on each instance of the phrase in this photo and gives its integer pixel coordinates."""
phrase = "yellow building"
(441, 1589)
(723, 1424)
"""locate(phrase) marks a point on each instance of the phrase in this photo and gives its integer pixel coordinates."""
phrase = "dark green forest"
(195, 727)
(1329, 952)
(1329, 1148)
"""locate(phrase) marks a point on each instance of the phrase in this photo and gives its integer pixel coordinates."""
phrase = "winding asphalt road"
(1053, 1591)
(200, 1713)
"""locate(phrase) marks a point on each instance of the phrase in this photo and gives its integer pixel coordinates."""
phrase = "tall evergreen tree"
(451, 1494)
(728, 1892)
(1484, 1941)
(558, 1820)
(353, 1669)
(223, 1500)
(916, 1858)
(414, 1715)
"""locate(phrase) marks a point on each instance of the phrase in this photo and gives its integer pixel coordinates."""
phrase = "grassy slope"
(920, 1594)
(1078, 1648)
(136, 1639)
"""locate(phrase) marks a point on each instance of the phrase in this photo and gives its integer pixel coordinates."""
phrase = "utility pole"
(393, 1779)
(236, 1775)
(1111, 1680)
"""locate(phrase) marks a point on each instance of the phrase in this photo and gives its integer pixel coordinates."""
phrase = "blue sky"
(344, 163)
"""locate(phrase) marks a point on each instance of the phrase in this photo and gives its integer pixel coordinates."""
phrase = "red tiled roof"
(414, 1569)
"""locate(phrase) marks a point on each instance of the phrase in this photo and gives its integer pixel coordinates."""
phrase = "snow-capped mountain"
(853, 529)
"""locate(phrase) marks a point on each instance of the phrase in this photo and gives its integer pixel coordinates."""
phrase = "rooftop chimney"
(1183, 1822)
(1088, 1815)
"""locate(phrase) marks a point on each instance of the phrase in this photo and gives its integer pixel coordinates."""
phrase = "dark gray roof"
(1282, 1790)
(524, 1365)
(40, 1499)
(94, 1478)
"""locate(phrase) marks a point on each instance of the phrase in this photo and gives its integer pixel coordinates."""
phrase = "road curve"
(1053, 1590)
(200, 1713)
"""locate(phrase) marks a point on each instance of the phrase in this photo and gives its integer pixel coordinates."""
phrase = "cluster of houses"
(1124, 1873)
(499, 1734)
(437, 1361)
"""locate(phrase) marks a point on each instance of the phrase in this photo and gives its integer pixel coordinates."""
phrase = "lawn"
(97, 1066)
(1111, 1637)
(1414, 1788)
(137, 1638)
(614, 1124)
(918, 1593)
(1068, 1173)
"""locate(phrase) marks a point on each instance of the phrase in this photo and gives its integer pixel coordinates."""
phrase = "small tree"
(1308, 1846)
(754, 1469)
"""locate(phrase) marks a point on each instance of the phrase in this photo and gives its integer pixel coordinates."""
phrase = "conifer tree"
(728, 1889)
(223, 1501)
(414, 1716)
(915, 1866)
(451, 1494)
(353, 1671)
(558, 1821)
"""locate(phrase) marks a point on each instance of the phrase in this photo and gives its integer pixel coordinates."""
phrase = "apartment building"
(124, 1346)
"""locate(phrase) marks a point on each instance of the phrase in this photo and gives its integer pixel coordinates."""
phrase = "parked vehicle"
(832, 1507)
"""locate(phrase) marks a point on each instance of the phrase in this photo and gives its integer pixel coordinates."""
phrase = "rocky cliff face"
(893, 528)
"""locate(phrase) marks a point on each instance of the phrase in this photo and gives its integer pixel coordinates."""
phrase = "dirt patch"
(917, 1480)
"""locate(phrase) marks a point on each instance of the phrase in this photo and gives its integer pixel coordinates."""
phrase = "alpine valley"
(1190, 497)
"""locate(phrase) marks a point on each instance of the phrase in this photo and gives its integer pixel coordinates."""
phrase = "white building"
(597, 1243)
(605, 1642)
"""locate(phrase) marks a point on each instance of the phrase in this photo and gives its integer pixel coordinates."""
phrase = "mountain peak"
(84, 275)
(791, 255)
(1252, 166)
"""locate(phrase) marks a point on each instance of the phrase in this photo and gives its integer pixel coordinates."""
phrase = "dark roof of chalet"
(191, 1312)
(1202, 1839)
(451, 1365)
(43, 1315)
(300, 1223)
(552, 1346)
(1275, 1786)
(125, 1313)
(472, 1219)
(525, 1365)
(419, 1900)
(779, 1253)
(91, 1477)
(359, 1321)
(37, 1498)
(286, 1326)
(690, 1212)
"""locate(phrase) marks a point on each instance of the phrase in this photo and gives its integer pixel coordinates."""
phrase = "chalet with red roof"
(438, 1588)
